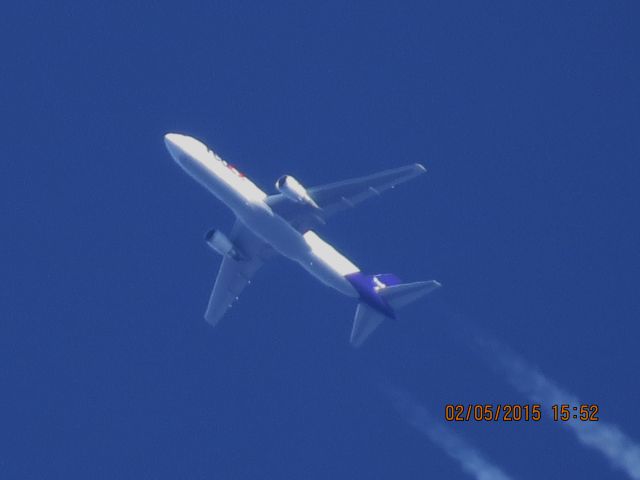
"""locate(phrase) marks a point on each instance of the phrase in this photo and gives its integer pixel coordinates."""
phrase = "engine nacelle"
(294, 191)
(219, 242)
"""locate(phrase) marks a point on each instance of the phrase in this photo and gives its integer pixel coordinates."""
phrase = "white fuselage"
(247, 202)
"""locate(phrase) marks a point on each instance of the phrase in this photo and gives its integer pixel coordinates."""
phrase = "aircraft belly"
(327, 275)
(273, 230)
(288, 242)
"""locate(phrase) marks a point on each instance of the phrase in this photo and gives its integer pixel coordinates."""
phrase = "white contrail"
(469, 458)
(606, 438)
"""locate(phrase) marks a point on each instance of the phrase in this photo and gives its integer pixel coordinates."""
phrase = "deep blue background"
(527, 116)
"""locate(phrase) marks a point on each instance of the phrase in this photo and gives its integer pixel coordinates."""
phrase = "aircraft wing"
(335, 197)
(235, 275)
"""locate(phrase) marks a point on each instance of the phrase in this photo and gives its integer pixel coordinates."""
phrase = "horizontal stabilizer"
(365, 322)
(398, 296)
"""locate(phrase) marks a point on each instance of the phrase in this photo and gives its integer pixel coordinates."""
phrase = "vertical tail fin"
(368, 318)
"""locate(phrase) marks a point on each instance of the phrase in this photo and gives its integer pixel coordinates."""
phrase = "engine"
(219, 242)
(294, 191)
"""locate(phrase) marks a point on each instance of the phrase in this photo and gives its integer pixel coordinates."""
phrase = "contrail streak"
(469, 458)
(606, 438)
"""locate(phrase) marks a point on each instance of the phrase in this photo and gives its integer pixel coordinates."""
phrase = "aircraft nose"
(172, 142)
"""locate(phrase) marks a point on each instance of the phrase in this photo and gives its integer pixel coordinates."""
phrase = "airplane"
(284, 223)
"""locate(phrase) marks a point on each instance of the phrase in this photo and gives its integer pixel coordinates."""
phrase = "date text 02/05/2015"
(513, 412)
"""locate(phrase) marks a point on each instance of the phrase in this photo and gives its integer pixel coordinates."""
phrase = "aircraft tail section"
(383, 301)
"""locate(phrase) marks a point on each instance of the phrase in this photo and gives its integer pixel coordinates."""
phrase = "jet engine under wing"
(338, 196)
(235, 275)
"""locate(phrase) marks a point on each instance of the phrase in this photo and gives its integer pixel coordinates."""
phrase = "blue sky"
(527, 119)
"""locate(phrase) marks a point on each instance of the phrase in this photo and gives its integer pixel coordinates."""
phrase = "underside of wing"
(335, 197)
(235, 274)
